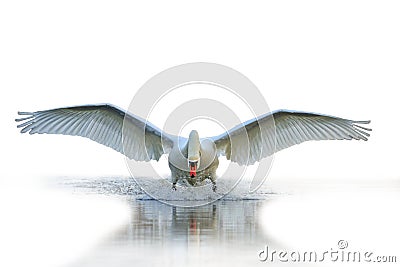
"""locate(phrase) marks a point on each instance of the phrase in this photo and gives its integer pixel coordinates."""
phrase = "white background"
(337, 58)
(333, 57)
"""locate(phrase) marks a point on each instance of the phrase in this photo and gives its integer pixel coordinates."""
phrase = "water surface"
(289, 215)
(224, 233)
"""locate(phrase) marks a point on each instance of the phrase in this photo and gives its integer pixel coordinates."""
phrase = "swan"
(191, 159)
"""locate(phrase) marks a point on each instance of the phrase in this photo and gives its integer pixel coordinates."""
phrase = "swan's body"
(192, 159)
(181, 161)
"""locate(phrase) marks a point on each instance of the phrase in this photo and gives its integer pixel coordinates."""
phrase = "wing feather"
(104, 123)
(281, 129)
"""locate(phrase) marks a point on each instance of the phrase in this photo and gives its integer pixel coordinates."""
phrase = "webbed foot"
(214, 188)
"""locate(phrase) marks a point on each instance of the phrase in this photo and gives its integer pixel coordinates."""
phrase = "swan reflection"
(221, 222)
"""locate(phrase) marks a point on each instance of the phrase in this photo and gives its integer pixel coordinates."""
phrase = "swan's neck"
(193, 146)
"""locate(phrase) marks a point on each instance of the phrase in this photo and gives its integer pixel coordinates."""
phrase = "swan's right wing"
(104, 124)
(281, 129)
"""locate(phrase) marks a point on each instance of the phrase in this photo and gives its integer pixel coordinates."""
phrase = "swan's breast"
(178, 158)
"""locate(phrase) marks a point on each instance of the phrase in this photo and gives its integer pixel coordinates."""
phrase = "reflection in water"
(226, 233)
(223, 221)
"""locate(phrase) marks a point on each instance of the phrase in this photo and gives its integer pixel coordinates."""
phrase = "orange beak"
(193, 169)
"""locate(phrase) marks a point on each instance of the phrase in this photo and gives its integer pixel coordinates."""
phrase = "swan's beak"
(193, 168)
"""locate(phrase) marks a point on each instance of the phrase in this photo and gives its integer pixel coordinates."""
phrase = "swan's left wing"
(104, 124)
(253, 140)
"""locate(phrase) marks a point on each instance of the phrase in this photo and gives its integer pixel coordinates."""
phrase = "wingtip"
(25, 121)
(24, 130)
(24, 113)
(356, 124)
(362, 122)
(28, 116)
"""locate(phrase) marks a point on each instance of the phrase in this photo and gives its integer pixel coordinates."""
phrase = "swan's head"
(193, 152)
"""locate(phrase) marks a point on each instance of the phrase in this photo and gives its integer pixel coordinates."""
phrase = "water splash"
(127, 186)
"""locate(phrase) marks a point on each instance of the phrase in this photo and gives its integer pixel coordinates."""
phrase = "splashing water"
(127, 186)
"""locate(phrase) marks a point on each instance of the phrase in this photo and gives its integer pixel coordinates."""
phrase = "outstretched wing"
(137, 140)
(281, 129)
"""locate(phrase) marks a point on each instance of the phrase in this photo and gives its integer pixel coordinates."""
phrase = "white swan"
(194, 159)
